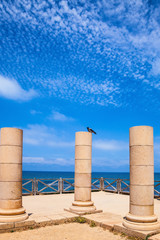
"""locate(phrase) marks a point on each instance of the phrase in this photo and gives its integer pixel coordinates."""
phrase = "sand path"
(72, 231)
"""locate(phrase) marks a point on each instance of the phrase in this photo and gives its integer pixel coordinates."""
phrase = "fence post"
(60, 185)
(34, 186)
(118, 186)
(101, 183)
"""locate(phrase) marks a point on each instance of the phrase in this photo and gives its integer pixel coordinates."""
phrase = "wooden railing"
(66, 185)
(96, 184)
(47, 186)
(28, 186)
(156, 189)
(110, 185)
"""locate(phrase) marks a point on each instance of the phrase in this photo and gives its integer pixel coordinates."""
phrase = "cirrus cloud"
(90, 52)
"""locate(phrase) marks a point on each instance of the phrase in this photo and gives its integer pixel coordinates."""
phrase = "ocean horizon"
(67, 174)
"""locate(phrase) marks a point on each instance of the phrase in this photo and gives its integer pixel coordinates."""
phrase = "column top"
(83, 138)
(11, 136)
(11, 128)
(83, 132)
(145, 126)
(141, 135)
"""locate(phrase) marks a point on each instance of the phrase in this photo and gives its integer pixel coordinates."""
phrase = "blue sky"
(66, 65)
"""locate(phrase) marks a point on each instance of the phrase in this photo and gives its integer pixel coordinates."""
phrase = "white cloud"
(34, 112)
(38, 134)
(70, 162)
(110, 145)
(63, 161)
(108, 162)
(42, 160)
(102, 162)
(60, 117)
(60, 144)
(41, 135)
(156, 67)
(34, 160)
(11, 89)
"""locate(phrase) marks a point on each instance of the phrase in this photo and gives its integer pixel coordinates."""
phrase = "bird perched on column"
(91, 130)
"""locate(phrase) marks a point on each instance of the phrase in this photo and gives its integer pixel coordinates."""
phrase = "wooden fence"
(66, 185)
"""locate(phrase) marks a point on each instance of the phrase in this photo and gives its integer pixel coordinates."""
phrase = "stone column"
(141, 214)
(83, 164)
(11, 209)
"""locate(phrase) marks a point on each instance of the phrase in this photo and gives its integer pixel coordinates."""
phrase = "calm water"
(36, 174)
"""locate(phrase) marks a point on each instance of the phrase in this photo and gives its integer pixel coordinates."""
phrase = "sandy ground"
(72, 231)
(46, 207)
(55, 204)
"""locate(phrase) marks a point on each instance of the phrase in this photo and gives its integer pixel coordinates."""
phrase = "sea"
(46, 175)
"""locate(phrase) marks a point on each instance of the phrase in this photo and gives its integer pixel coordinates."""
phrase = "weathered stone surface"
(141, 214)
(11, 204)
(11, 136)
(142, 175)
(141, 136)
(83, 160)
(83, 166)
(14, 170)
(83, 152)
(10, 154)
(83, 180)
(10, 190)
(11, 209)
(82, 194)
(83, 138)
(141, 155)
(141, 195)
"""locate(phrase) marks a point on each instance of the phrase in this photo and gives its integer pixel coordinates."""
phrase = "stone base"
(82, 213)
(141, 226)
(135, 233)
(141, 219)
(13, 218)
(15, 211)
(12, 215)
(82, 208)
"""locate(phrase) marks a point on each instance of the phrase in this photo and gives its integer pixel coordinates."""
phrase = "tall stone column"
(141, 214)
(83, 164)
(11, 209)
